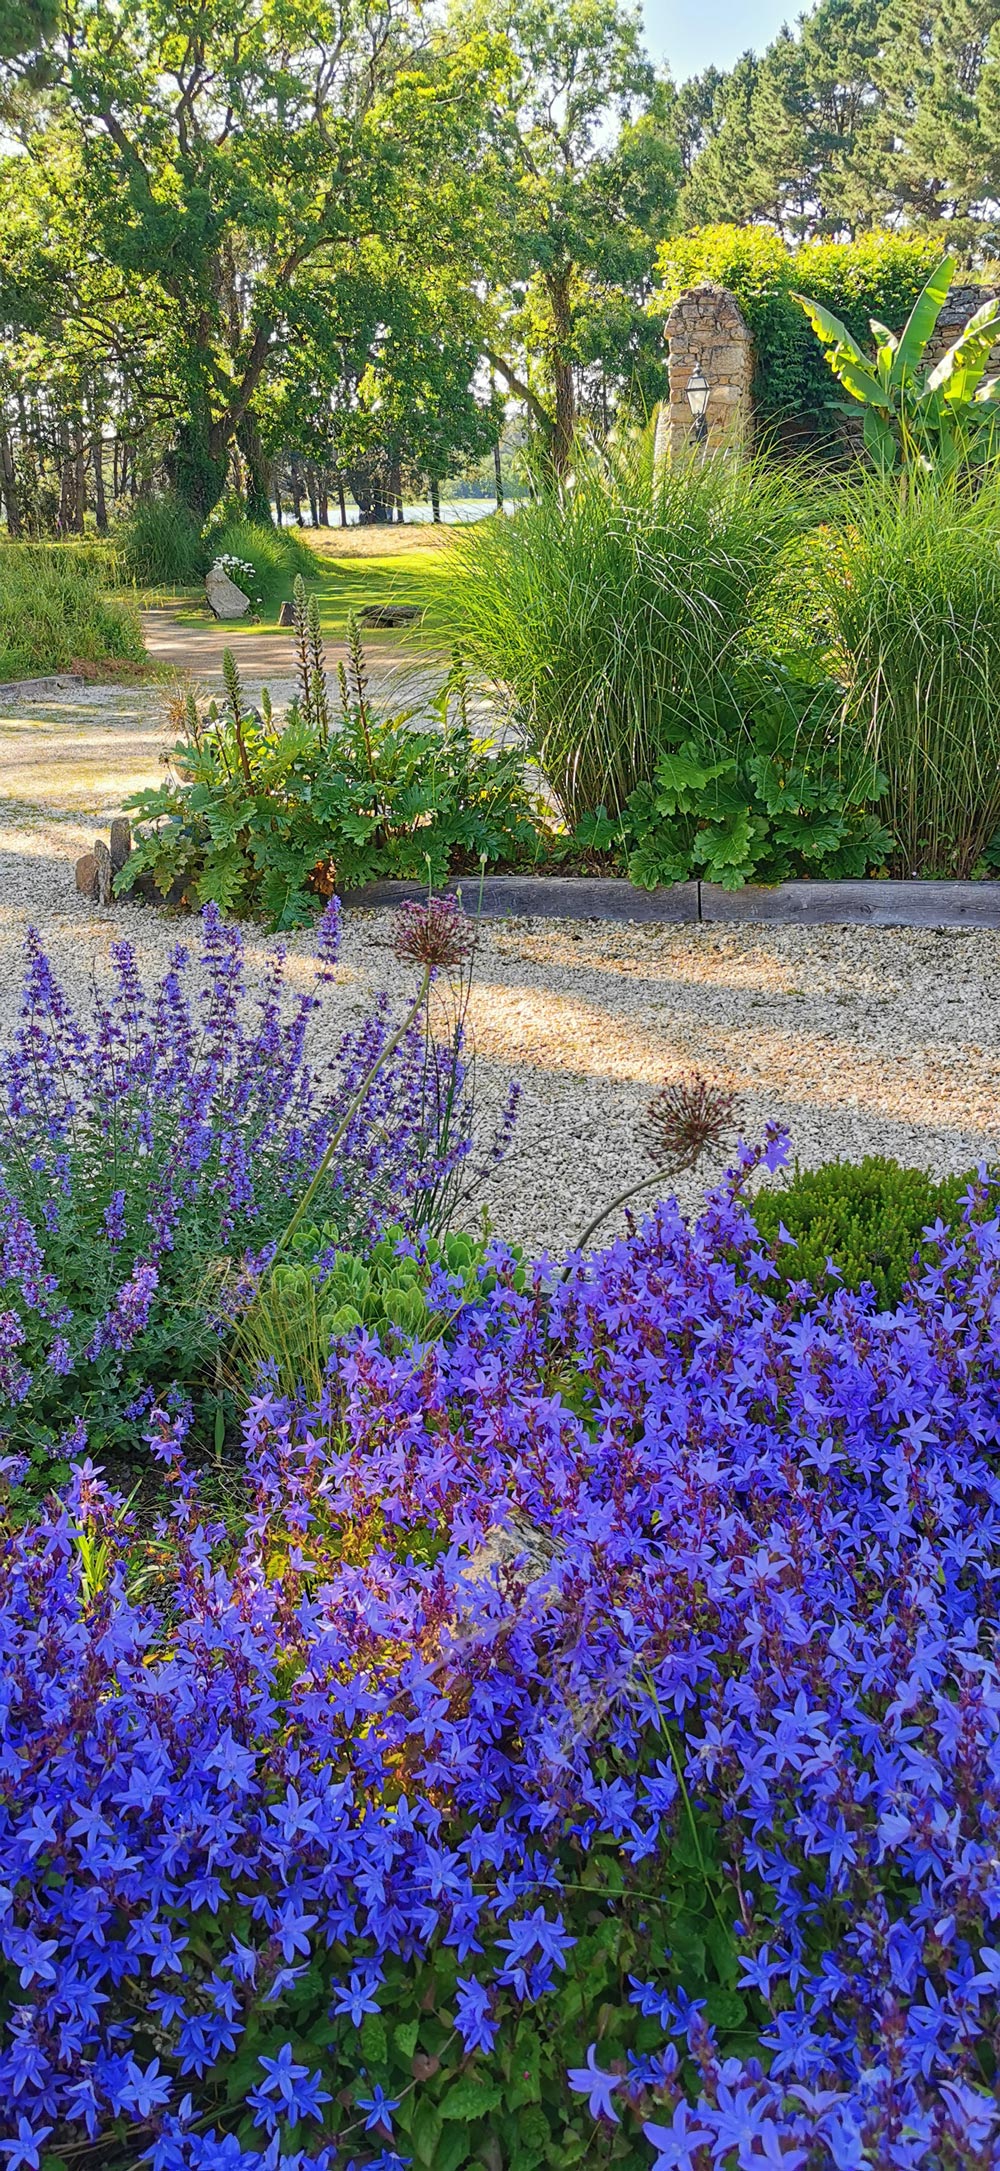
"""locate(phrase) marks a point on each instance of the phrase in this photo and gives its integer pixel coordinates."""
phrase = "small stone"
(86, 875)
(286, 615)
(121, 842)
(224, 598)
(105, 876)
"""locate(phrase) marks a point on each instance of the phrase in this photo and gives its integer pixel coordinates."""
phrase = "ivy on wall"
(878, 275)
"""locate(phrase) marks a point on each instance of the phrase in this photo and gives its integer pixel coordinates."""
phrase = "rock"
(286, 615)
(121, 842)
(86, 875)
(225, 599)
(389, 614)
(104, 882)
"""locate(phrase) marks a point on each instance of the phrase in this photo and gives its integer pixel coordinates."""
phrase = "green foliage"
(397, 1289)
(907, 593)
(161, 542)
(613, 614)
(273, 814)
(935, 420)
(868, 1217)
(54, 611)
(780, 798)
(878, 275)
(510, 2106)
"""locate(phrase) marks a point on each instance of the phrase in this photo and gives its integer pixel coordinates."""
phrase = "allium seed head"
(434, 934)
(687, 1119)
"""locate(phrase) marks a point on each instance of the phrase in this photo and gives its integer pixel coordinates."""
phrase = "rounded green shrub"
(868, 1217)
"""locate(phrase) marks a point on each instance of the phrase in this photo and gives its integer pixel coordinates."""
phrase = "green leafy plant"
(783, 798)
(278, 556)
(613, 613)
(915, 418)
(866, 1219)
(267, 815)
(161, 542)
(400, 1287)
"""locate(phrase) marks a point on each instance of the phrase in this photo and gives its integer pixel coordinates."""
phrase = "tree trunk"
(498, 476)
(557, 284)
(79, 479)
(196, 466)
(311, 490)
(435, 500)
(277, 501)
(97, 450)
(342, 501)
(8, 484)
(295, 490)
(257, 480)
(323, 501)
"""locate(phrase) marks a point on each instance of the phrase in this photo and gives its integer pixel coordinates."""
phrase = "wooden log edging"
(807, 904)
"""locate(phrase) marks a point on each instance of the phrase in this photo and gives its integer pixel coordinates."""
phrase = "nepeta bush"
(170, 1132)
(642, 1634)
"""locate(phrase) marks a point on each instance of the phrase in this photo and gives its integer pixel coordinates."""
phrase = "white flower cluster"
(242, 572)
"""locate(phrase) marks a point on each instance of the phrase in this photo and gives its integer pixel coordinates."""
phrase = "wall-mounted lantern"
(697, 399)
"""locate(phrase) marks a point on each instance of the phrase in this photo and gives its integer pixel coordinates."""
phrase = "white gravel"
(860, 1040)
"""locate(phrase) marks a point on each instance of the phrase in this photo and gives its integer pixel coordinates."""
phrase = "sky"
(692, 34)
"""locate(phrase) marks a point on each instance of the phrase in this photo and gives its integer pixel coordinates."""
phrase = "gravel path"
(859, 1039)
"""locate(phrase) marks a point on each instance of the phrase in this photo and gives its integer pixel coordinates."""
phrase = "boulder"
(105, 876)
(86, 875)
(286, 615)
(121, 842)
(225, 599)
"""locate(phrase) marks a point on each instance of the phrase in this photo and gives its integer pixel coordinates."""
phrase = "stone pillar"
(706, 327)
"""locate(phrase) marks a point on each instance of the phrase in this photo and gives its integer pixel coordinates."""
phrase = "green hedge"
(879, 275)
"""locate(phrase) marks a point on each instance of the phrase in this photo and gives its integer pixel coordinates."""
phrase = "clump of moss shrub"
(868, 1218)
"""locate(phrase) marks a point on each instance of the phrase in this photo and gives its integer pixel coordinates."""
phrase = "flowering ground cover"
(588, 1755)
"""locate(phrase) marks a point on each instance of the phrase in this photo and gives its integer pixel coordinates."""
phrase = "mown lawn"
(359, 566)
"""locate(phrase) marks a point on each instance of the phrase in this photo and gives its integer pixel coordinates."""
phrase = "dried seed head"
(435, 934)
(687, 1119)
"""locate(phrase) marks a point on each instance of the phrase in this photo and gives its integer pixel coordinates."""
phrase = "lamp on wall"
(697, 399)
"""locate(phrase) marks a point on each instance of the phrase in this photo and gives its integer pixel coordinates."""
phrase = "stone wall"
(961, 304)
(706, 327)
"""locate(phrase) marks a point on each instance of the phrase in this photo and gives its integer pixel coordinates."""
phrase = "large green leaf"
(921, 321)
(960, 370)
(844, 355)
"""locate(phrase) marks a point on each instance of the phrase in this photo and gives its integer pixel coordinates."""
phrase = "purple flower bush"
(591, 1753)
(144, 1150)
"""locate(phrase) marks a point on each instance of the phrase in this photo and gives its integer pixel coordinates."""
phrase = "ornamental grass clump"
(614, 612)
(165, 1144)
(908, 592)
(588, 1754)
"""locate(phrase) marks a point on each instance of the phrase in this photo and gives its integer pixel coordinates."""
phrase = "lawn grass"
(358, 566)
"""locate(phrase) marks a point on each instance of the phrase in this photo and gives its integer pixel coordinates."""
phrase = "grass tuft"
(54, 611)
(612, 612)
